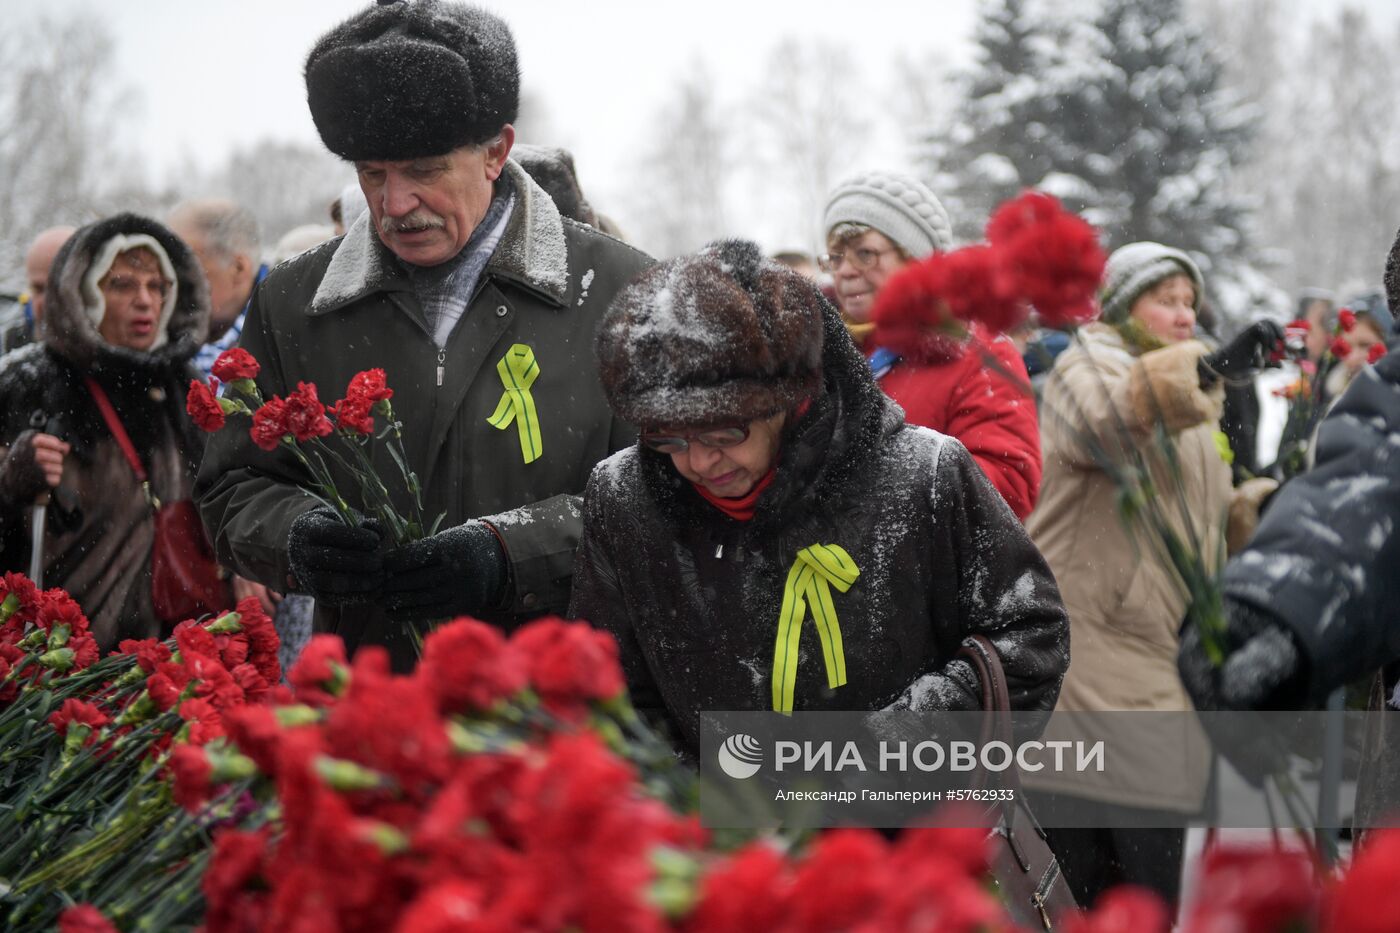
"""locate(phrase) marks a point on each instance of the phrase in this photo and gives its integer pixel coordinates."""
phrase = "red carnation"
(452, 906)
(912, 317)
(57, 608)
(270, 424)
(353, 415)
(19, 598)
(205, 722)
(1367, 899)
(569, 663)
(1023, 213)
(148, 652)
(203, 407)
(306, 416)
(841, 881)
(78, 712)
(1124, 909)
(190, 767)
(1346, 319)
(262, 638)
(746, 890)
(468, 665)
(257, 733)
(237, 860)
(978, 287)
(1340, 348)
(369, 385)
(1054, 256)
(321, 673)
(1255, 889)
(233, 364)
(84, 918)
(1374, 354)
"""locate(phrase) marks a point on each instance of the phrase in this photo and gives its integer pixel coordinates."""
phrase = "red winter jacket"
(993, 416)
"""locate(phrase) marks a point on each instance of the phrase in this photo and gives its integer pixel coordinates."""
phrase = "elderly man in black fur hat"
(126, 308)
(461, 269)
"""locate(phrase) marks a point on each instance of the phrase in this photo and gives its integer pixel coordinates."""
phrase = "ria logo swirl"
(740, 756)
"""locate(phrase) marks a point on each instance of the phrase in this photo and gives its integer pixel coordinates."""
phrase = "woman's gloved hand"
(1248, 352)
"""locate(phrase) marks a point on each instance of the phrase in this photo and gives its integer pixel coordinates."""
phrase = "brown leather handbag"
(186, 581)
(1025, 869)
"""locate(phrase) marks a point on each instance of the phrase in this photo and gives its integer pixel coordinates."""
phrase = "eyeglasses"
(678, 443)
(126, 285)
(863, 258)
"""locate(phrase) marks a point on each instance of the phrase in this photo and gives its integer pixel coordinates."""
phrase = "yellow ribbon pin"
(809, 582)
(519, 371)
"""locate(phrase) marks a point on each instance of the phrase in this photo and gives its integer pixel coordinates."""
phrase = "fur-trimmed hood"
(69, 330)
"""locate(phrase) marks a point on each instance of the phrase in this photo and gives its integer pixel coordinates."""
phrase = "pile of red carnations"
(505, 785)
(86, 807)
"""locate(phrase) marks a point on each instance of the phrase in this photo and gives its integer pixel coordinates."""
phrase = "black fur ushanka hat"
(721, 336)
(407, 80)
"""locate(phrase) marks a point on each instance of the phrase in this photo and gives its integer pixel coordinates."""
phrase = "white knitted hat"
(899, 206)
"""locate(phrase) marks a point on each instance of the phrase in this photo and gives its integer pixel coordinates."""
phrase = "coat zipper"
(441, 360)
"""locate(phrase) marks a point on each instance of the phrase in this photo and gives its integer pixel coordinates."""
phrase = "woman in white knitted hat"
(875, 223)
(1136, 372)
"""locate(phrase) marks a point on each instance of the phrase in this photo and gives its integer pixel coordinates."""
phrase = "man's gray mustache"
(415, 221)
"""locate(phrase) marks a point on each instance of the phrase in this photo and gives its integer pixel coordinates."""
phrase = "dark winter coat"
(99, 528)
(694, 596)
(1325, 561)
(348, 306)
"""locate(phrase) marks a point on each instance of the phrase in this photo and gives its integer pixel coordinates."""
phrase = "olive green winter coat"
(349, 306)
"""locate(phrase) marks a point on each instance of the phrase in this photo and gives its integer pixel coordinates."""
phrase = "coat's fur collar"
(69, 330)
(532, 252)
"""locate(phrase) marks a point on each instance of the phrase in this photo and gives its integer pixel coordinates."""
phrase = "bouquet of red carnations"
(302, 424)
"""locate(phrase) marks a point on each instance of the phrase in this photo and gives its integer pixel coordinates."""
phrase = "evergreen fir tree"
(1125, 118)
(993, 148)
(1158, 136)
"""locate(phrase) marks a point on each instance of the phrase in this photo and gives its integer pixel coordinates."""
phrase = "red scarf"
(742, 508)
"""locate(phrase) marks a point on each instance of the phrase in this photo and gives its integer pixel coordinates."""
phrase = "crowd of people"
(726, 446)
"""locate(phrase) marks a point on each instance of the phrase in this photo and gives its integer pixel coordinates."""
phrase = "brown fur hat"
(721, 336)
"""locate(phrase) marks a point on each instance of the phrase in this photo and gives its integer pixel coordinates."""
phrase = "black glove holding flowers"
(338, 564)
(460, 571)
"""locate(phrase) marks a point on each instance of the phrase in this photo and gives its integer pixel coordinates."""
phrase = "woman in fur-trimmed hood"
(768, 446)
(128, 305)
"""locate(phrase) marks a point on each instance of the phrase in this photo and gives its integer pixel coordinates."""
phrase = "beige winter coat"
(1125, 601)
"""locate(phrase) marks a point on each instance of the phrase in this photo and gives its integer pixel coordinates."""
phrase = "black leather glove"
(460, 571)
(338, 564)
(1248, 352)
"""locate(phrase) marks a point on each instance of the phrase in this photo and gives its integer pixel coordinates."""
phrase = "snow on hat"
(407, 80)
(1136, 268)
(899, 206)
(724, 335)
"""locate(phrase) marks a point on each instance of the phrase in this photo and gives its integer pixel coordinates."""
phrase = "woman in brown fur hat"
(768, 461)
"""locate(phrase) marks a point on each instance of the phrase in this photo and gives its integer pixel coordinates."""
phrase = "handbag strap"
(979, 651)
(114, 424)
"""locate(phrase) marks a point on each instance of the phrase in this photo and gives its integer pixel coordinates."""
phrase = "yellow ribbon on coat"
(817, 569)
(518, 371)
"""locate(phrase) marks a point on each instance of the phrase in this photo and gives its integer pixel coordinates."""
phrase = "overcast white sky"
(213, 75)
